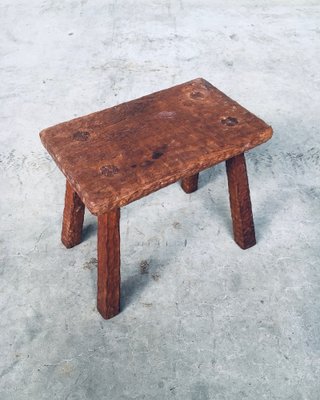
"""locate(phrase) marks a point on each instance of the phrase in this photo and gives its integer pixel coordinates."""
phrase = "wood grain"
(108, 299)
(240, 203)
(121, 154)
(190, 183)
(73, 215)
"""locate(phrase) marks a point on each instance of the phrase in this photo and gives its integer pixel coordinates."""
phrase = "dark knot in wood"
(81, 136)
(229, 121)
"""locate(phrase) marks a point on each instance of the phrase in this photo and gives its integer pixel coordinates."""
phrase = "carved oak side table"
(113, 157)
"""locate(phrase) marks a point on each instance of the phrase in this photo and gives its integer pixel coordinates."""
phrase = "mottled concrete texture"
(201, 318)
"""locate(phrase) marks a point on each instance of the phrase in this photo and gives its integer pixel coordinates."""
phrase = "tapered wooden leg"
(242, 219)
(190, 183)
(73, 215)
(108, 302)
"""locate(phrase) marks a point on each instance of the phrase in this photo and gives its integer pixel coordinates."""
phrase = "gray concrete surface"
(201, 318)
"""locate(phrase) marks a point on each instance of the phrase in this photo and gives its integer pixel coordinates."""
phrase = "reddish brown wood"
(240, 203)
(108, 302)
(190, 183)
(121, 154)
(73, 215)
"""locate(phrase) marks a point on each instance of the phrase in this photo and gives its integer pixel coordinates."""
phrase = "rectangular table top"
(118, 155)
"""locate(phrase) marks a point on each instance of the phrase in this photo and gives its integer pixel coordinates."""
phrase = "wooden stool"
(113, 157)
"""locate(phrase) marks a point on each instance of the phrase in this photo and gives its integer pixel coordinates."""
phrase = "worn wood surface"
(190, 183)
(108, 299)
(73, 215)
(240, 203)
(121, 154)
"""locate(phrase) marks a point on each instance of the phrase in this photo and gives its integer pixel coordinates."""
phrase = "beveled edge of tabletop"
(105, 205)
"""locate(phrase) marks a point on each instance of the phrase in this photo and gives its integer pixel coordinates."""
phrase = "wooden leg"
(72, 218)
(190, 183)
(240, 203)
(109, 264)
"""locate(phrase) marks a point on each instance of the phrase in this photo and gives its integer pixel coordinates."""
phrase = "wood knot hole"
(157, 153)
(81, 136)
(229, 121)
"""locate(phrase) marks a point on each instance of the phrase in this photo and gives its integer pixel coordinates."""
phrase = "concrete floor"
(201, 318)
